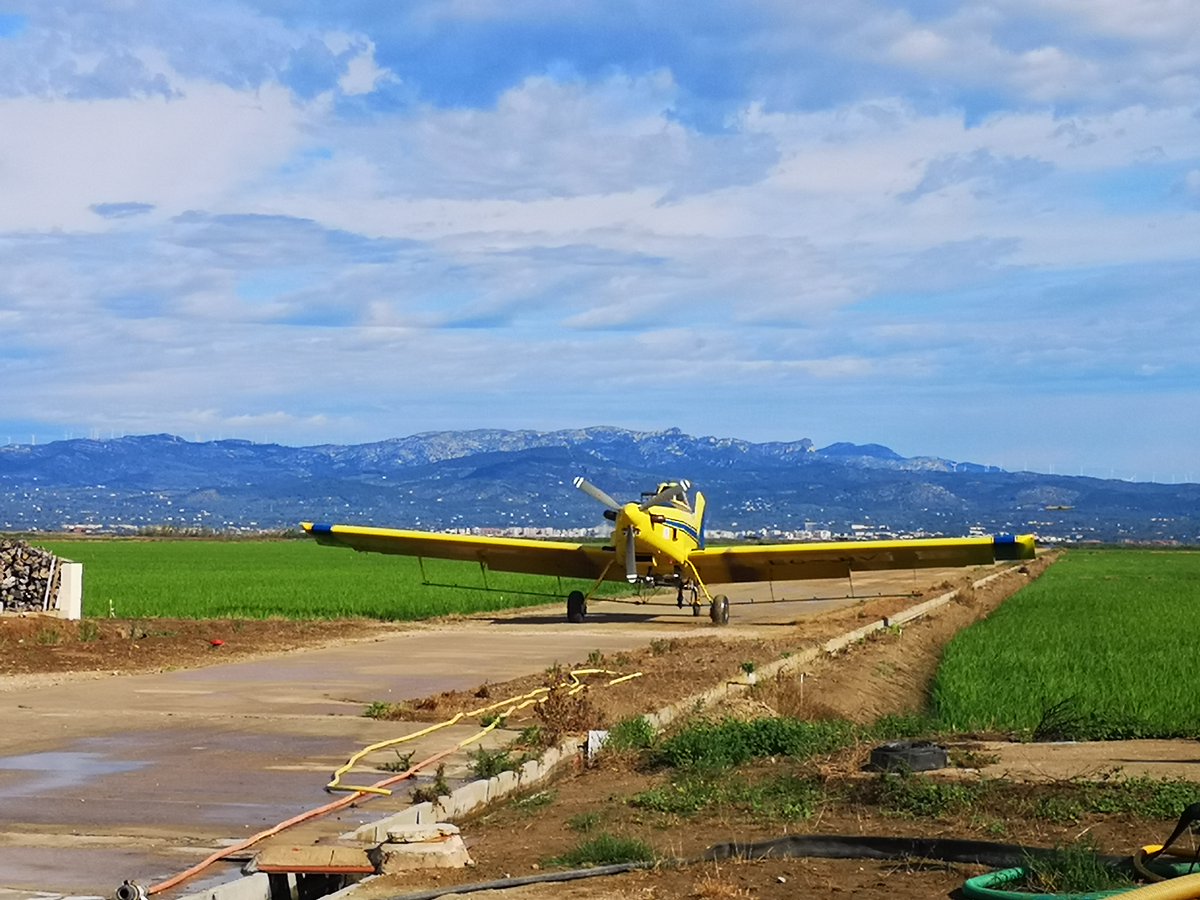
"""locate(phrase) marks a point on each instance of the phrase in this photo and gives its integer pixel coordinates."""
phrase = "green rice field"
(1106, 644)
(297, 579)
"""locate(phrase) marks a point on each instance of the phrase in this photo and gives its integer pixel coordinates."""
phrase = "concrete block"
(376, 832)
(469, 797)
(313, 858)
(69, 598)
(501, 785)
(448, 852)
(530, 773)
(420, 834)
(252, 887)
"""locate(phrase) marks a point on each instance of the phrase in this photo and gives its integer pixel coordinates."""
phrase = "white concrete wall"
(69, 599)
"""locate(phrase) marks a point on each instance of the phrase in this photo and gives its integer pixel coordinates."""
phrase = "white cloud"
(60, 157)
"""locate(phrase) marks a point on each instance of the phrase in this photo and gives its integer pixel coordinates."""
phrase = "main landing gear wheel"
(719, 611)
(576, 607)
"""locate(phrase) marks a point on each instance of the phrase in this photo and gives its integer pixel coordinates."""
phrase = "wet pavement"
(139, 776)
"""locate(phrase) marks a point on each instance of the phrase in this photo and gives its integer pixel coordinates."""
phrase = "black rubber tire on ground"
(719, 610)
(908, 756)
(576, 607)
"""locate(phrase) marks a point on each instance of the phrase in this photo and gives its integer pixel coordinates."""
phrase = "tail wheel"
(576, 607)
(719, 610)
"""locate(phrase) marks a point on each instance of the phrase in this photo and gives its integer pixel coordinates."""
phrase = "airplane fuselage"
(663, 538)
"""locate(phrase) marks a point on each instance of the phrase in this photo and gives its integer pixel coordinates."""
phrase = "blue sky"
(956, 228)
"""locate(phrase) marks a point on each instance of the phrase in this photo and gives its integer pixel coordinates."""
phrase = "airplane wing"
(788, 562)
(532, 557)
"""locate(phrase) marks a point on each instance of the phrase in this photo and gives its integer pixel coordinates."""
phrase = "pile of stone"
(28, 577)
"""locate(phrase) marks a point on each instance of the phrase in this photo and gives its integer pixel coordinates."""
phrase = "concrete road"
(139, 776)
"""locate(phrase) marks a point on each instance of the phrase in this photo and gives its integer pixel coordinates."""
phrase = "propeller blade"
(666, 495)
(596, 494)
(631, 573)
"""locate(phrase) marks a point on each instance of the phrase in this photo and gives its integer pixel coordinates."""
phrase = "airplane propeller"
(596, 494)
(670, 492)
(631, 572)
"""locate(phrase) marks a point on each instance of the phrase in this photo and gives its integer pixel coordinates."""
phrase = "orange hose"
(295, 820)
(378, 788)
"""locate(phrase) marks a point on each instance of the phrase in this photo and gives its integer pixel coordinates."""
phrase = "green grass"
(723, 745)
(603, 850)
(1103, 645)
(295, 579)
(781, 797)
(1072, 869)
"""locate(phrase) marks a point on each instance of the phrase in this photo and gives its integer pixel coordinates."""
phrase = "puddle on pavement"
(58, 769)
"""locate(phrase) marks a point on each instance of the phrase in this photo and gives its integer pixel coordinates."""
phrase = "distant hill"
(496, 478)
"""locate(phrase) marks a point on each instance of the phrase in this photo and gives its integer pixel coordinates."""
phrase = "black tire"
(719, 610)
(576, 607)
(908, 756)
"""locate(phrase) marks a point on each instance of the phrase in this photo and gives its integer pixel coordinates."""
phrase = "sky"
(961, 229)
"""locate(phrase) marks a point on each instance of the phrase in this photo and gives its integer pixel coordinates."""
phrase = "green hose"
(992, 885)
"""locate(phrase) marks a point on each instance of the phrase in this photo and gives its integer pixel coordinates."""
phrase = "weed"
(1058, 808)
(712, 886)
(490, 763)
(401, 763)
(990, 825)
(630, 734)
(1060, 721)
(595, 659)
(966, 758)
(562, 713)
(439, 787)
(490, 720)
(917, 797)
(584, 822)
(605, 849)
(1072, 869)
(622, 660)
(663, 646)
(748, 667)
(379, 709)
(731, 743)
(88, 631)
(684, 797)
(530, 736)
(48, 637)
(781, 797)
(534, 802)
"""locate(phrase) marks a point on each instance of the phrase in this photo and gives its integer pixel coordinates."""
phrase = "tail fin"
(699, 506)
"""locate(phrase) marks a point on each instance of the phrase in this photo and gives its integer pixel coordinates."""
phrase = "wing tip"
(1014, 546)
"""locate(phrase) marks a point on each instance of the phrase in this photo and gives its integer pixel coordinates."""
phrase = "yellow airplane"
(659, 541)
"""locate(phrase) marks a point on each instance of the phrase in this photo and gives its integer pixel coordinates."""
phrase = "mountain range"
(515, 479)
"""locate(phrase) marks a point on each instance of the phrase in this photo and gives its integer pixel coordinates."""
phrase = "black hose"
(837, 846)
(826, 846)
(543, 878)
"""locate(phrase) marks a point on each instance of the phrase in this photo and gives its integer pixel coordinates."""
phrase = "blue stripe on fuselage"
(687, 529)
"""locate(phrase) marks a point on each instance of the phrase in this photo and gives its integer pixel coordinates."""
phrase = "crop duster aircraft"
(659, 541)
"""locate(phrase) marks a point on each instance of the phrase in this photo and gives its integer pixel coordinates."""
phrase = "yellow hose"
(1182, 887)
(572, 686)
